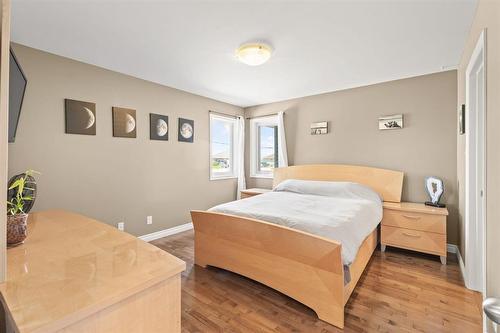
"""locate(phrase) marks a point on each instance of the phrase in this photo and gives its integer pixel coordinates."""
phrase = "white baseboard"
(462, 265)
(166, 232)
(452, 248)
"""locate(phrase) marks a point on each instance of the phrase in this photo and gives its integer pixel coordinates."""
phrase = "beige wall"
(426, 146)
(114, 179)
(487, 17)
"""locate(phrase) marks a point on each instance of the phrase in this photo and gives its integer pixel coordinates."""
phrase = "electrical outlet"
(121, 226)
(149, 220)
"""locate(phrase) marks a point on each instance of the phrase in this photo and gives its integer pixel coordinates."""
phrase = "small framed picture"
(80, 117)
(158, 127)
(461, 120)
(390, 122)
(319, 128)
(186, 130)
(124, 123)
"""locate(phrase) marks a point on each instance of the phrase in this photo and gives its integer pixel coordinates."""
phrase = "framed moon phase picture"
(158, 127)
(186, 130)
(80, 117)
(124, 123)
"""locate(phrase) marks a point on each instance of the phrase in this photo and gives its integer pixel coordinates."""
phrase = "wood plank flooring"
(399, 291)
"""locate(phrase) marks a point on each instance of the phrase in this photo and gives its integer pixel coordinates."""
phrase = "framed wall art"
(186, 130)
(80, 117)
(390, 122)
(158, 127)
(124, 123)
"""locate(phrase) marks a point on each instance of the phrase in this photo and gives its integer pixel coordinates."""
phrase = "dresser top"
(71, 266)
(415, 207)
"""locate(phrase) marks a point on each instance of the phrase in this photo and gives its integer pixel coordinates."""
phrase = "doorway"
(475, 169)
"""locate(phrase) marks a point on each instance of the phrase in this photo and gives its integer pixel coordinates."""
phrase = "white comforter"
(345, 212)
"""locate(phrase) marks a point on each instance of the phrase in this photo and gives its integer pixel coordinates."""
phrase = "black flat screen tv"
(17, 87)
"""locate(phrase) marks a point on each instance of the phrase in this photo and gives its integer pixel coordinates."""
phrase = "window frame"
(233, 168)
(255, 123)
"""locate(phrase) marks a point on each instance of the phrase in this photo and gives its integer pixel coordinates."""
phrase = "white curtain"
(240, 155)
(282, 155)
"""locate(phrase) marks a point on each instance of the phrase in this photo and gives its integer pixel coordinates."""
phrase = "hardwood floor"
(398, 292)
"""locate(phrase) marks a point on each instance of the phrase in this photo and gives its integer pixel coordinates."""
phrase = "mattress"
(341, 211)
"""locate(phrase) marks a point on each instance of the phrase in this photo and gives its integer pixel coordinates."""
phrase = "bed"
(302, 264)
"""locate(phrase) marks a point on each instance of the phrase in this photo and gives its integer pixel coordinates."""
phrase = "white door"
(475, 169)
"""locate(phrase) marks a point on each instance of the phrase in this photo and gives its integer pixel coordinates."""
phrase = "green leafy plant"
(16, 204)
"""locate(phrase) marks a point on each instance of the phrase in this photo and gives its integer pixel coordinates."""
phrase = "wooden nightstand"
(415, 226)
(252, 192)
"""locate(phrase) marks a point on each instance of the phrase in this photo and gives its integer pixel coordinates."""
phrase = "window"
(222, 148)
(264, 146)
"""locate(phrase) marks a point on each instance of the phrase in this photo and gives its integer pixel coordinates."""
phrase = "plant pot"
(17, 226)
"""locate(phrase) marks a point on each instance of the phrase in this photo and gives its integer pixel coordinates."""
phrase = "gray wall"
(426, 146)
(114, 179)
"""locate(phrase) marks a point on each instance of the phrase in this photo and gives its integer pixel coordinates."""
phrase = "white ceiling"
(319, 46)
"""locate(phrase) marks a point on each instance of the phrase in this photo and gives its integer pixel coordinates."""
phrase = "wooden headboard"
(387, 183)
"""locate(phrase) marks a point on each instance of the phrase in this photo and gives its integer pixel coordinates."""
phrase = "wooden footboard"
(305, 267)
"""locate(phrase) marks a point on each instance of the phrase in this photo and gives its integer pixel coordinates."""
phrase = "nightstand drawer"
(247, 195)
(253, 192)
(429, 242)
(415, 221)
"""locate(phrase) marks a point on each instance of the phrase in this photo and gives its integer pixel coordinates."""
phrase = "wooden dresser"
(252, 192)
(415, 226)
(75, 274)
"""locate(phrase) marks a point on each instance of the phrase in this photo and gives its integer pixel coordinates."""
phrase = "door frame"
(475, 235)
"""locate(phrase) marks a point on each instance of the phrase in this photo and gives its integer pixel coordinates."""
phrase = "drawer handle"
(411, 217)
(410, 235)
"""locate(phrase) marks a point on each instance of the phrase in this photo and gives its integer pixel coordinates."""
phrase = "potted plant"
(21, 195)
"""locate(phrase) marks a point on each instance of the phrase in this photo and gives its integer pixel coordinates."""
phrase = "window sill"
(223, 177)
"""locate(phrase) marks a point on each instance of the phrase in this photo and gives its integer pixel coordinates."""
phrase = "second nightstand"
(252, 192)
(415, 226)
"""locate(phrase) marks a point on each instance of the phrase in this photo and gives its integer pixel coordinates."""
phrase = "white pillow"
(348, 190)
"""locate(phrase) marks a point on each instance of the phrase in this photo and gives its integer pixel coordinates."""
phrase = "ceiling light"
(253, 54)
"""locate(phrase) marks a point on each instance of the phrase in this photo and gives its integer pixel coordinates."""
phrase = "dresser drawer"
(415, 221)
(422, 241)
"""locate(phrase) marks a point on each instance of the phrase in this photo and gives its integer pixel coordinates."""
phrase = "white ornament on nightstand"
(435, 189)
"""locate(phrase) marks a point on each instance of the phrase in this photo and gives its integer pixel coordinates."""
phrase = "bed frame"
(303, 266)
